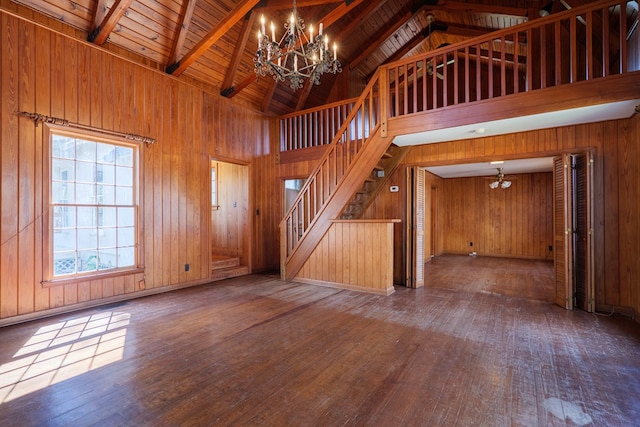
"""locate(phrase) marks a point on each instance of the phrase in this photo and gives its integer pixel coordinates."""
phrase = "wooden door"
(562, 231)
(415, 228)
(583, 231)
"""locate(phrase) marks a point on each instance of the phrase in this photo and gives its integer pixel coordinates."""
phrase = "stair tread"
(228, 272)
(224, 261)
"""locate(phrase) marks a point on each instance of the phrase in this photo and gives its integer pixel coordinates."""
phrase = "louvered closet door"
(415, 228)
(583, 237)
(562, 233)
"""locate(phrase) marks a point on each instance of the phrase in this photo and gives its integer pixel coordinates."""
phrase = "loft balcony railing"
(590, 42)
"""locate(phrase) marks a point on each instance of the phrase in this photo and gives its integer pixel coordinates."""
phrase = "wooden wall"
(339, 260)
(514, 222)
(55, 75)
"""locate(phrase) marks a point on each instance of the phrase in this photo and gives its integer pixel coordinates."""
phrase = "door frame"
(247, 231)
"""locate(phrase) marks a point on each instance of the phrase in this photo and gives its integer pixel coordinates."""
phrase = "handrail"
(340, 155)
(313, 127)
(579, 44)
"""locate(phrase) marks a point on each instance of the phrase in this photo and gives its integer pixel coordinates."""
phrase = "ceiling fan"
(500, 181)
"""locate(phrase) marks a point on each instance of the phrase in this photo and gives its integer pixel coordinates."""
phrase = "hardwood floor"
(255, 350)
(530, 279)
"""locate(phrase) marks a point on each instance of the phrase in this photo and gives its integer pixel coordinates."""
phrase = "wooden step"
(226, 273)
(224, 261)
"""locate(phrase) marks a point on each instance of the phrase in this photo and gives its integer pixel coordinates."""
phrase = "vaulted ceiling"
(214, 41)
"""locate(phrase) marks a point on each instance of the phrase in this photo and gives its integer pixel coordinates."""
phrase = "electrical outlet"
(550, 248)
(470, 243)
(186, 267)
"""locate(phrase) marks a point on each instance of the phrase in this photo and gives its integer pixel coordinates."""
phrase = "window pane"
(85, 172)
(126, 236)
(106, 195)
(106, 174)
(62, 192)
(64, 240)
(126, 257)
(124, 176)
(107, 217)
(64, 263)
(85, 150)
(87, 238)
(106, 153)
(64, 147)
(124, 196)
(86, 194)
(88, 260)
(108, 258)
(124, 156)
(86, 216)
(64, 217)
(126, 217)
(63, 170)
(107, 237)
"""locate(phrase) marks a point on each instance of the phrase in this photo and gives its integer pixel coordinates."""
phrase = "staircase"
(507, 67)
(224, 267)
(374, 182)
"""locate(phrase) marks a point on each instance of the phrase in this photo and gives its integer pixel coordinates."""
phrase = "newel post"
(383, 87)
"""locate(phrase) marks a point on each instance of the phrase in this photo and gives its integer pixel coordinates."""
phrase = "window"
(93, 197)
(214, 185)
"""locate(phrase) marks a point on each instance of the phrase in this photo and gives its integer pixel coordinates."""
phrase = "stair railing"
(313, 127)
(579, 44)
(362, 122)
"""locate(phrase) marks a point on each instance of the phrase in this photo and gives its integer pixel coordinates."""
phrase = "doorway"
(230, 225)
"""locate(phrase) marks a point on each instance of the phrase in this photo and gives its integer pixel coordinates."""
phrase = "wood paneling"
(52, 74)
(339, 259)
(513, 222)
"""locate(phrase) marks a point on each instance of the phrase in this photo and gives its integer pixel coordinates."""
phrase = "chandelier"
(295, 57)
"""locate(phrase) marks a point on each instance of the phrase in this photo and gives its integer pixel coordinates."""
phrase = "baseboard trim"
(37, 315)
(385, 292)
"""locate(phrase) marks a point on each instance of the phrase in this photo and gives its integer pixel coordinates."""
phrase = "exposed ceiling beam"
(455, 6)
(183, 28)
(237, 53)
(375, 44)
(288, 4)
(101, 32)
(331, 18)
(266, 102)
(212, 37)
(99, 13)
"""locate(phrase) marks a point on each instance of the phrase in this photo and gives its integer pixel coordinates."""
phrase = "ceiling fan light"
(494, 185)
(505, 184)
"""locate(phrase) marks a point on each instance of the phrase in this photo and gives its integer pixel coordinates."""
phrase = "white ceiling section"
(509, 167)
(590, 114)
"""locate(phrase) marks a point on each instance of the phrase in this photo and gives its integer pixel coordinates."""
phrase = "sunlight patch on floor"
(64, 350)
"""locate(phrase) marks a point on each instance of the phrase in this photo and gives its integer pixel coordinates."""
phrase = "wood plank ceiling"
(214, 41)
